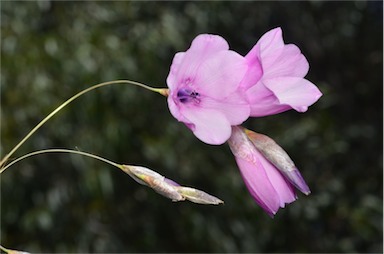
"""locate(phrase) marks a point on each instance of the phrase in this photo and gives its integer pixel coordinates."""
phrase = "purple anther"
(186, 95)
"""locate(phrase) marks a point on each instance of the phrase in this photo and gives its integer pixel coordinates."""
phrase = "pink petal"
(277, 59)
(266, 48)
(203, 47)
(210, 126)
(172, 76)
(258, 184)
(209, 43)
(298, 93)
(269, 43)
(287, 61)
(235, 107)
(220, 75)
(175, 110)
(253, 74)
(263, 102)
(284, 189)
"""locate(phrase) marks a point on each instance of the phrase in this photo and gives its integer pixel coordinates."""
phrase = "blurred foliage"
(64, 203)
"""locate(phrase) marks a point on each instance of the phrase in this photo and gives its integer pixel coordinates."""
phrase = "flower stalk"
(162, 91)
(164, 186)
(9, 251)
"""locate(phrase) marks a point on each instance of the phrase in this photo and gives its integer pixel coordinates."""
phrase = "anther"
(185, 95)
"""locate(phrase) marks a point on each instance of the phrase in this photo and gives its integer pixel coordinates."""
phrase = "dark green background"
(64, 203)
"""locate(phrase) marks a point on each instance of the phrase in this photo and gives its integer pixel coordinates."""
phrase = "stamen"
(186, 95)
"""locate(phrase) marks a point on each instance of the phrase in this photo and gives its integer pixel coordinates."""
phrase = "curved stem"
(3, 249)
(162, 91)
(61, 151)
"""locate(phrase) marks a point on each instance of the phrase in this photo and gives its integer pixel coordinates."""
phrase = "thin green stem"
(61, 151)
(162, 91)
(3, 249)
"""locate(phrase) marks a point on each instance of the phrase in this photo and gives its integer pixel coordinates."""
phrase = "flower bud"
(167, 187)
(198, 196)
(153, 180)
(279, 158)
(140, 174)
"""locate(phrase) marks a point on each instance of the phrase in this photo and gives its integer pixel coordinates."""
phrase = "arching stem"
(61, 151)
(144, 176)
(162, 91)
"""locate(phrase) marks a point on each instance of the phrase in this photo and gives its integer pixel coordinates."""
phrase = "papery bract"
(264, 181)
(279, 158)
(204, 88)
(275, 81)
(167, 187)
(154, 180)
(198, 196)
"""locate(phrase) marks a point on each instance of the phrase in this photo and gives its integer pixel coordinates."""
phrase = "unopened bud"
(279, 158)
(167, 187)
(140, 174)
(167, 190)
(154, 180)
(198, 196)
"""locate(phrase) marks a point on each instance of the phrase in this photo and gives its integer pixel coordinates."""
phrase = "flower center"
(187, 95)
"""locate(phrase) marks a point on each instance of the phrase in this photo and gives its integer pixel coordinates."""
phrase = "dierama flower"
(275, 80)
(204, 89)
(267, 170)
(212, 88)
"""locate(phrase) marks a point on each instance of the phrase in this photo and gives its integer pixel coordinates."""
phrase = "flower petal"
(253, 74)
(235, 107)
(172, 76)
(298, 93)
(258, 184)
(220, 75)
(287, 61)
(263, 101)
(203, 47)
(210, 126)
(269, 43)
(268, 48)
(175, 109)
(261, 55)
(283, 189)
(209, 43)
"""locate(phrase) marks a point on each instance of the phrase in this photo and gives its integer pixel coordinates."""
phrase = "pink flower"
(275, 79)
(204, 89)
(267, 170)
(212, 88)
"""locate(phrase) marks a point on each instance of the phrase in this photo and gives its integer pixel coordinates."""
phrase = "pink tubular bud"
(279, 158)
